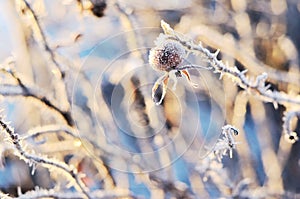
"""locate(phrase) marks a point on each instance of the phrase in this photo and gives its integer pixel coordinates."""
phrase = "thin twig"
(129, 22)
(170, 187)
(37, 131)
(48, 129)
(192, 67)
(44, 40)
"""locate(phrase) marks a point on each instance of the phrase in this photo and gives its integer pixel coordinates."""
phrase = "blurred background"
(76, 86)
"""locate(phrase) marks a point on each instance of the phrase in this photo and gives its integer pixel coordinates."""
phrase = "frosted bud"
(166, 56)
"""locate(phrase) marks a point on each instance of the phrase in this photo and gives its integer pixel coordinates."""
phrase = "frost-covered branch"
(257, 87)
(32, 159)
(226, 142)
(168, 55)
(52, 193)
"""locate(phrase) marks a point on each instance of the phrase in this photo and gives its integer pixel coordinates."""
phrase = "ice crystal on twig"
(290, 135)
(226, 143)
